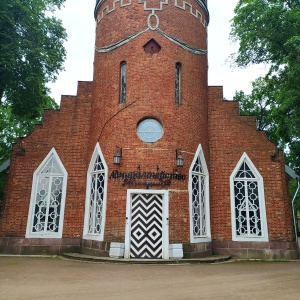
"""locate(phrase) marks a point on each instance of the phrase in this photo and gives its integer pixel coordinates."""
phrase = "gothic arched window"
(247, 203)
(95, 207)
(123, 74)
(177, 83)
(199, 199)
(46, 212)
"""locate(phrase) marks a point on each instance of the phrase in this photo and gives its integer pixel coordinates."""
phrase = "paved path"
(53, 278)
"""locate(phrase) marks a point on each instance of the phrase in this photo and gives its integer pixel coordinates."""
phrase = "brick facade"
(202, 117)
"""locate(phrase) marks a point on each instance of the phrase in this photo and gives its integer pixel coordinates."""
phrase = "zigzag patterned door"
(146, 226)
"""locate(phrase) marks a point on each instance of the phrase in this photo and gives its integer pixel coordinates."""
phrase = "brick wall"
(66, 130)
(95, 115)
(150, 93)
(230, 136)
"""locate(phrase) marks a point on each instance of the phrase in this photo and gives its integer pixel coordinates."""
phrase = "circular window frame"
(157, 133)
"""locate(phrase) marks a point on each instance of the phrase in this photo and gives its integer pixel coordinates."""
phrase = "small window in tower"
(150, 130)
(177, 83)
(123, 71)
(152, 47)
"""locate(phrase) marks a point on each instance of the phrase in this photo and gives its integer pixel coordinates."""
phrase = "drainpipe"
(293, 201)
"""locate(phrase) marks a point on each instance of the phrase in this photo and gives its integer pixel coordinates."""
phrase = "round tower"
(135, 164)
(149, 107)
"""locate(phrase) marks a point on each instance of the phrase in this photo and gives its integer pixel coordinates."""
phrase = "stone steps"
(89, 258)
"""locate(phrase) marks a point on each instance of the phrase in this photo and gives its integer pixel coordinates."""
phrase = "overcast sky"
(78, 19)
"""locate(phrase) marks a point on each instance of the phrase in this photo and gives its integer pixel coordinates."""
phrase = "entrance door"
(147, 224)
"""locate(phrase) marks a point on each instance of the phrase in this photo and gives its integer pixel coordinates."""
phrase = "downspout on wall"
(292, 174)
(293, 201)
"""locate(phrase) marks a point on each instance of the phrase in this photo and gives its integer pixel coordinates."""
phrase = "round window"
(149, 130)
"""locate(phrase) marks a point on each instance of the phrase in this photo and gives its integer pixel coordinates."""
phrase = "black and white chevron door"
(146, 226)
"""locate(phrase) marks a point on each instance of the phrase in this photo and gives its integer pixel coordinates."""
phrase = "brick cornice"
(201, 3)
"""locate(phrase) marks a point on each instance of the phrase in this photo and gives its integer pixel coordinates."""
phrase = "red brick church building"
(148, 161)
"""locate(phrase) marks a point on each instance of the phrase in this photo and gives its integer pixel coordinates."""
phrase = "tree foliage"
(268, 33)
(260, 104)
(31, 54)
(17, 126)
(293, 186)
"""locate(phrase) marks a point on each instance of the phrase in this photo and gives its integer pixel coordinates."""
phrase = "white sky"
(78, 19)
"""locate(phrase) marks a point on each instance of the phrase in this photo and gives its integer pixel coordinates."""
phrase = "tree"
(293, 186)
(260, 104)
(17, 126)
(31, 54)
(268, 33)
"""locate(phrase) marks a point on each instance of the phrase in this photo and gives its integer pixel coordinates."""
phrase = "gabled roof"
(5, 166)
(291, 172)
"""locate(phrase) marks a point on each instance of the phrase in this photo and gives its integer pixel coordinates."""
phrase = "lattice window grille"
(198, 200)
(96, 200)
(48, 195)
(247, 203)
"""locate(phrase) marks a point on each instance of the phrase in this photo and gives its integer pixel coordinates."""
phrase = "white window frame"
(86, 234)
(261, 196)
(207, 237)
(29, 233)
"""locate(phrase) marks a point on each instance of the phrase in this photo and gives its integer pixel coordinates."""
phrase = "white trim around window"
(248, 211)
(48, 197)
(199, 199)
(96, 195)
